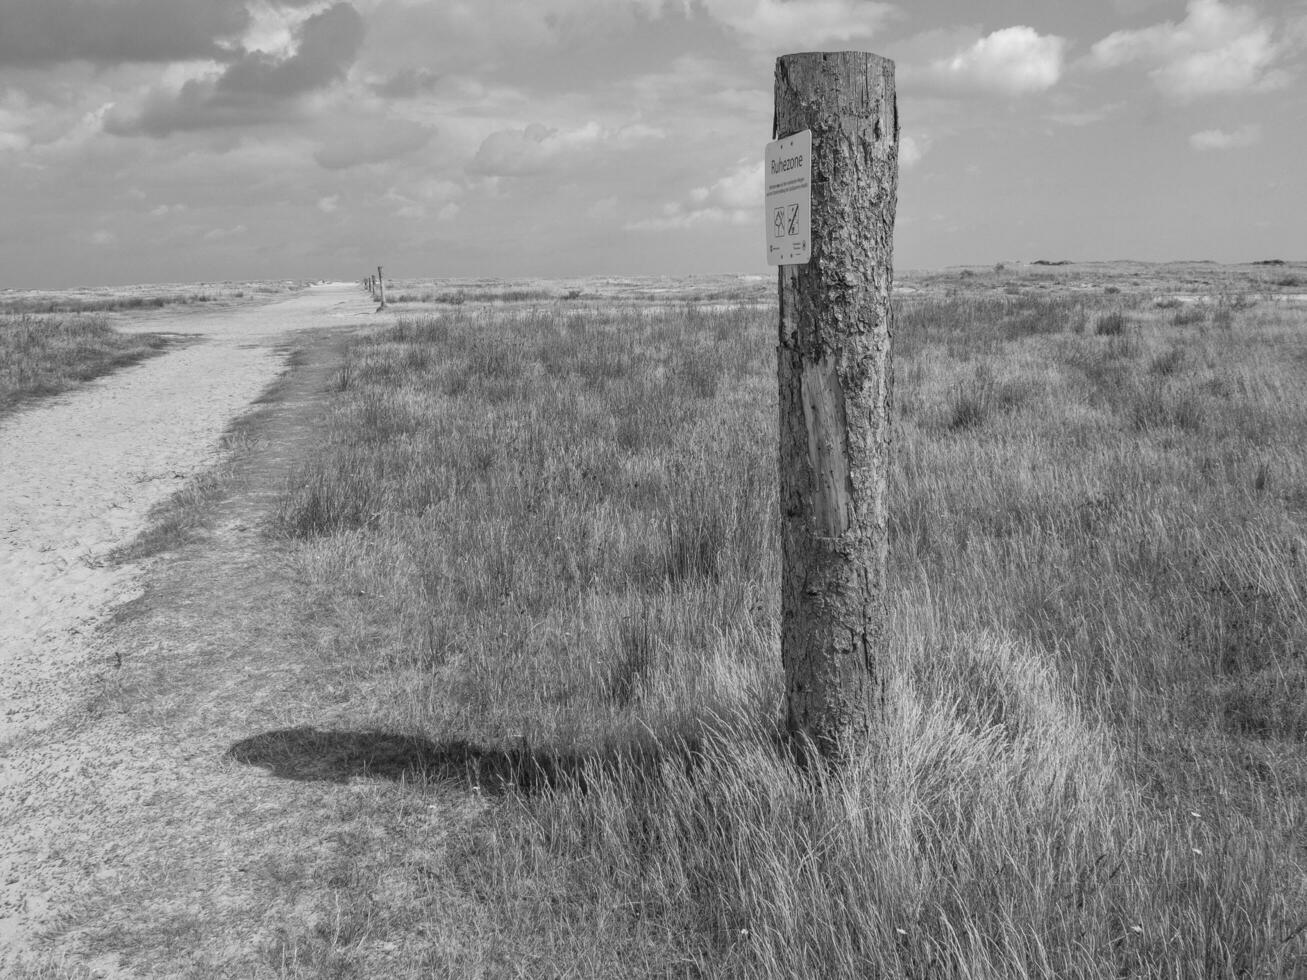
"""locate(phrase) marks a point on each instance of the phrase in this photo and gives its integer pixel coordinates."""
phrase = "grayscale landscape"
(443, 640)
(632, 489)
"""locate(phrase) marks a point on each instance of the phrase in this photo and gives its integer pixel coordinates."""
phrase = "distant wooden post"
(835, 380)
(381, 286)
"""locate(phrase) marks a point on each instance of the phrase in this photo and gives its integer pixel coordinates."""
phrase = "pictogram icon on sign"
(787, 170)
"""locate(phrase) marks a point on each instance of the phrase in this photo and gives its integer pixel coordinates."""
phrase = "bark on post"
(381, 286)
(835, 380)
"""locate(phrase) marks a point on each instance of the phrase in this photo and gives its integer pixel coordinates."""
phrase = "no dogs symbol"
(785, 221)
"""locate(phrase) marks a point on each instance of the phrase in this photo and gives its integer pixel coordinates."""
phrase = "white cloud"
(537, 149)
(911, 150)
(1012, 61)
(741, 188)
(525, 152)
(1219, 139)
(1215, 49)
(1084, 117)
(734, 199)
(329, 203)
(271, 28)
(12, 123)
(801, 25)
(217, 234)
(676, 217)
(419, 198)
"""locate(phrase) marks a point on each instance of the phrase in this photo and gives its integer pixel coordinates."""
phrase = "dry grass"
(135, 299)
(542, 545)
(46, 355)
(589, 293)
(111, 303)
(457, 297)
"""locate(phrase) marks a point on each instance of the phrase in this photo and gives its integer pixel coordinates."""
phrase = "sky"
(200, 140)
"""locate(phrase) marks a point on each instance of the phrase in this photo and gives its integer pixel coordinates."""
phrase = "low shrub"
(1114, 324)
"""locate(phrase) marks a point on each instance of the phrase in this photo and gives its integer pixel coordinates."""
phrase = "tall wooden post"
(835, 380)
(381, 285)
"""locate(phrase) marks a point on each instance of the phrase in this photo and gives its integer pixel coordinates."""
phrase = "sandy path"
(78, 475)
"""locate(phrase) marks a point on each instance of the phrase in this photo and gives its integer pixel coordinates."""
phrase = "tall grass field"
(545, 541)
(42, 355)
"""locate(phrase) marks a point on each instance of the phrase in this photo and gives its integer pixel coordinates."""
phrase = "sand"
(79, 474)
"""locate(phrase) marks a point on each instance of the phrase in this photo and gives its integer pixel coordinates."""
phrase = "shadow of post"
(322, 755)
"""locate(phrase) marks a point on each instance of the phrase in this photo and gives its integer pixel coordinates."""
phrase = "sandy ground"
(78, 475)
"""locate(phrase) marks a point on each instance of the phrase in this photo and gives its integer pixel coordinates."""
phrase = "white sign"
(787, 169)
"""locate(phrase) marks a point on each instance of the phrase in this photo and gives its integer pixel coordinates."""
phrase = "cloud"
(1084, 117)
(218, 234)
(328, 44)
(676, 217)
(1215, 49)
(420, 199)
(1012, 61)
(255, 87)
(36, 32)
(371, 141)
(740, 189)
(911, 150)
(1217, 139)
(543, 40)
(801, 25)
(329, 203)
(735, 199)
(537, 149)
(526, 152)
(196, 106)
(13, 142)
(13, 122)
(100, 237)
(47, 31)
(407, 83)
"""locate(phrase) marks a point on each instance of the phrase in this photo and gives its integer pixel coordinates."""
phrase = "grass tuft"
(41, 356)
(1112, 324)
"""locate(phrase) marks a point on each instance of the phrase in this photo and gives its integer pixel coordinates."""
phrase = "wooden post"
(381, 286)
(835, 379)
